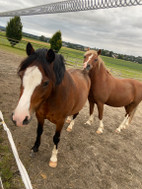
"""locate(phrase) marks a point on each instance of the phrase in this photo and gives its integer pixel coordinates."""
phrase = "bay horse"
(107, 89)
(51, 91)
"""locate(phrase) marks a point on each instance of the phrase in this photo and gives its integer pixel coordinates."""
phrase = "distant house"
(114, 55)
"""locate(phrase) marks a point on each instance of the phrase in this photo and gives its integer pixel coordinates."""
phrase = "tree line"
(14, 35)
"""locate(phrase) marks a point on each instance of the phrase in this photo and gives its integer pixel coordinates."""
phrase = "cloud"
(117, 29)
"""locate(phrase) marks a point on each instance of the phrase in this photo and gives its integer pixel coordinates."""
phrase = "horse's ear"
(50, 56)
(29, 49)
(99, 52)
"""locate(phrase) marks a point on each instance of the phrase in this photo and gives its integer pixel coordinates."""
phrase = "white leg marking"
(69, 128)
(130, 118)
(126, 124)
(90, 120)
(85, 63)
(69, 118)
(101, 127)
(53, 159)
(122, 125)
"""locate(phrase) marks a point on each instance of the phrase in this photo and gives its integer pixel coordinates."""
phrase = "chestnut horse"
(50, 91)
(106, 89)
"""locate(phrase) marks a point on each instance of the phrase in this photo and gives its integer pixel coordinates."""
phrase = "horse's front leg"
(56, 139)
(39, 133)
(100, 107)
(91, 118)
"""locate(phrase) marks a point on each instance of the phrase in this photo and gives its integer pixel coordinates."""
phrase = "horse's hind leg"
(131, 115)
(69, 128)
(39, 133)
(130, 111)
(122, 125)
(69, 119)
(91, 118)
(100, 111)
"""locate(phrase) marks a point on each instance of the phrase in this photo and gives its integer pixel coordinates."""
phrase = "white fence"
(23, 172)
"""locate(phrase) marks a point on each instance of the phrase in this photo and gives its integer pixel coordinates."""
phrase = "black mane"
(39, 56)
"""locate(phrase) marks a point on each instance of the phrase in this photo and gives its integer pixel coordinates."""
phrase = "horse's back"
(80, 77)
(79, 91)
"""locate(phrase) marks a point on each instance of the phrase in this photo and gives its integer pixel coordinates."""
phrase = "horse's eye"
(84, 56)
(45, 83)
(96, 60)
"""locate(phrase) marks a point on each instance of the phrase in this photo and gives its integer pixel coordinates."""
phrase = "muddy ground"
(86, 160)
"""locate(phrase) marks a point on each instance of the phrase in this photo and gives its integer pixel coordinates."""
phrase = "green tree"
(42, 38)
(14, 30)
(56, 41)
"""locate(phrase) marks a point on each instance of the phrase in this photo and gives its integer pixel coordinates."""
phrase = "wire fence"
(71, 6)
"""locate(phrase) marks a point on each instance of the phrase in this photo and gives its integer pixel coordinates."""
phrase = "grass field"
(74, 57)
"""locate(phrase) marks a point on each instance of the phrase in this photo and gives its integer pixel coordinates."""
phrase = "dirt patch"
(85, 160)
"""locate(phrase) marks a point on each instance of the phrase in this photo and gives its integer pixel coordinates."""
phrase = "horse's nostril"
(12, 119)
(88, 67)
(26, 121)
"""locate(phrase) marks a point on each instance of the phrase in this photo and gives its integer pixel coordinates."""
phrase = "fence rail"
(71, 6)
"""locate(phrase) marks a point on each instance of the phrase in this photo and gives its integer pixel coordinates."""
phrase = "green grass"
(124, 68)
(74, 57)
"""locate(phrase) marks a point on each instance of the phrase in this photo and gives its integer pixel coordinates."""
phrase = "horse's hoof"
(52, 164)
(125, 127)
(87, 123)
(68, 121)
(117, 130)
(99, 132)
(69, 129)
(32, 154)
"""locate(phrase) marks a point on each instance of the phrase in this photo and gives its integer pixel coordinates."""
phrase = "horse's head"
(40, 72)
(91, 58)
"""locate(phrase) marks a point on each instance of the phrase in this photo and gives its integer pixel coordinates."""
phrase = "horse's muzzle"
(26, 121)
(88, 67)
(11, 117)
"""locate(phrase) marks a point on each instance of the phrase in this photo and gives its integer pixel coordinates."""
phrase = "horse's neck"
(62, 86)
(99, 70)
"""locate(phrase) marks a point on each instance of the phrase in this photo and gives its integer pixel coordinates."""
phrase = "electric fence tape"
(1, 185)
(23, 172)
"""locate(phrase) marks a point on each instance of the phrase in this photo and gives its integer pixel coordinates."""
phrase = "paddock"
(86, 159)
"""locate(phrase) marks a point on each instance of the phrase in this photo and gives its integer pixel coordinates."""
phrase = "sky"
(116, 29)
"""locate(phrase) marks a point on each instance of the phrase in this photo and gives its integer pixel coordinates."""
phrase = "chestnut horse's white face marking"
(31, 79)
(85, 63)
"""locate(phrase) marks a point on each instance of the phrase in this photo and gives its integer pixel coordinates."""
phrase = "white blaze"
(85, 63)
(31, 79)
